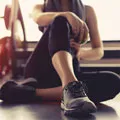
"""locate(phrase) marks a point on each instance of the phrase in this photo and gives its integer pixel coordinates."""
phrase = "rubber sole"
(85, 109)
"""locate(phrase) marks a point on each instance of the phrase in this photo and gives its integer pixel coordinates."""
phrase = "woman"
(55, 60)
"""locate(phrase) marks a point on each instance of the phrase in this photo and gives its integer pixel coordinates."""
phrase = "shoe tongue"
(76, 89)
(75, 84)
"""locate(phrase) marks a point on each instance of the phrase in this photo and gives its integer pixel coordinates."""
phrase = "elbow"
(100, 53)
(35, 13)
(35, 18)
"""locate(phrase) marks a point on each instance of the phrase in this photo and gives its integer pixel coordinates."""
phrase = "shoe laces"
(77, 89)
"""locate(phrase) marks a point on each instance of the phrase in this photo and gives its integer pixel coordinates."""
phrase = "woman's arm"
(96, 51)
(45, 18)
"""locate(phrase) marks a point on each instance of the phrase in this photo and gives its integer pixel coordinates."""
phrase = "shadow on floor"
(50, 111)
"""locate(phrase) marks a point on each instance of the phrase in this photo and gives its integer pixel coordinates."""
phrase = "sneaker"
(28, 81)
(11, 92)
(75, 101)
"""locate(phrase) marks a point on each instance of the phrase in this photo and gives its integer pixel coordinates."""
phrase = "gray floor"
(109, 110)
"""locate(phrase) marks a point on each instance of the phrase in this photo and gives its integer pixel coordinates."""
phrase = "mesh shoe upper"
(74, 98)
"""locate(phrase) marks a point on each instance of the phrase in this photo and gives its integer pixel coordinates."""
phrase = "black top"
(76, 6)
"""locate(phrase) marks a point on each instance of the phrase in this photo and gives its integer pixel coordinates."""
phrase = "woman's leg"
(50, 94)
(102, 85)
(74, 98)
(60, 51)
(40, 65)
(56, 62)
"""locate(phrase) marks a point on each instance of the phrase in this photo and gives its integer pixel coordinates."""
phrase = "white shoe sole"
(84, 109)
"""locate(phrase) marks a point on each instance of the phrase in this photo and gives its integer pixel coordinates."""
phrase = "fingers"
(84, 33)
(79, 28)
(76, 29)
(75, 45)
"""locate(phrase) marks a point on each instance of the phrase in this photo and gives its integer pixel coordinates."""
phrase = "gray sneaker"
(75, 101)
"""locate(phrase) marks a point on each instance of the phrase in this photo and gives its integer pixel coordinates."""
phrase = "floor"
(109, 110)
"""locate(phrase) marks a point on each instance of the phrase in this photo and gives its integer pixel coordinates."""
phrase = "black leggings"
(39, 65)
(101, 85)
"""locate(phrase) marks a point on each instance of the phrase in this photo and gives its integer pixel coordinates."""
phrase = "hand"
(76, 46)
(75, 22)
(79, 28)
(83, 34)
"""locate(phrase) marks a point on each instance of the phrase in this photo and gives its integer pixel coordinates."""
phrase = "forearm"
(44, 19)
(91, 54)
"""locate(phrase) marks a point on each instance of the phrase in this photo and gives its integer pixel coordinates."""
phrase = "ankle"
(67, 82)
